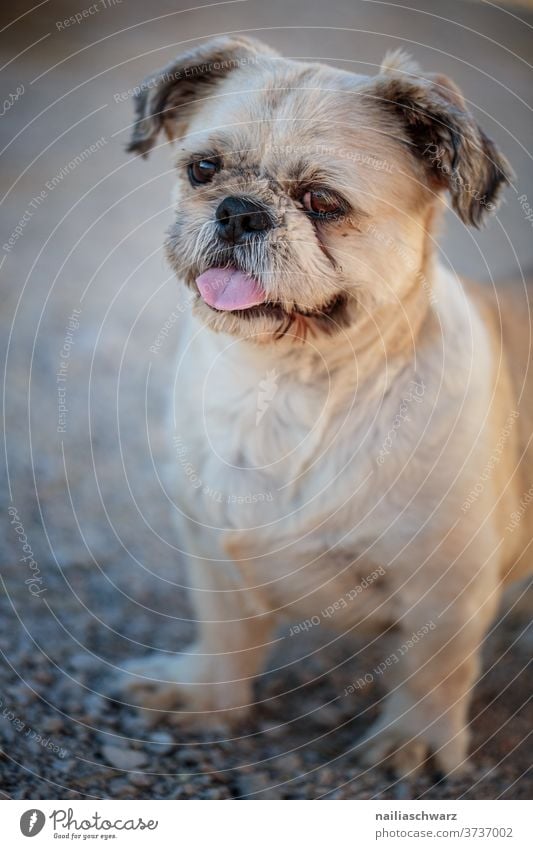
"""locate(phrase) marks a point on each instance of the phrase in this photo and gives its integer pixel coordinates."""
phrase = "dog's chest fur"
(313, 477)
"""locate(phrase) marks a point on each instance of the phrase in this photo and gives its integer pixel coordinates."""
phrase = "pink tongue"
(230, 289)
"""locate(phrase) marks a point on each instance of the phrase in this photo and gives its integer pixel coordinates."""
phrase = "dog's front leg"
(210, 683)
(431, 671)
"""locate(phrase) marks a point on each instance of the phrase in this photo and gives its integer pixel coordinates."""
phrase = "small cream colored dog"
(352, 438)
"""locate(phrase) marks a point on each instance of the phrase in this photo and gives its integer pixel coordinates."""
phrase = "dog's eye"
(203, 171)
(322, 204)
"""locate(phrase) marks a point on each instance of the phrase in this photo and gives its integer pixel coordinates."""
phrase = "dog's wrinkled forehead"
(241, 93)
(289, 124)
(245, 96)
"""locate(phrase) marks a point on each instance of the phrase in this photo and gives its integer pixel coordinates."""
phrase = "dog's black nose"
(237, 217)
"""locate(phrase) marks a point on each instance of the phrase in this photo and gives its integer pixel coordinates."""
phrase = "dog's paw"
(388, 748)
(407, 754)
(180, 690)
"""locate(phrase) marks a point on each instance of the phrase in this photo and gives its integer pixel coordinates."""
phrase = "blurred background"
(90, 564)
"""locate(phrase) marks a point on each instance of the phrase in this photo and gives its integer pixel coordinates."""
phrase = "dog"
(352, 422)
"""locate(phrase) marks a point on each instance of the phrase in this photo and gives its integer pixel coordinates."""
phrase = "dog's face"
(305, 193)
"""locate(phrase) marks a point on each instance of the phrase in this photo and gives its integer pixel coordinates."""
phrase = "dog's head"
(305, 192)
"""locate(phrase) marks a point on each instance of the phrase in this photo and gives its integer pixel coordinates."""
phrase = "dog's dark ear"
(455, 151)
(167, 98)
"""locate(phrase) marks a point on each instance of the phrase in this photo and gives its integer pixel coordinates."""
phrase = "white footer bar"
(267, 824)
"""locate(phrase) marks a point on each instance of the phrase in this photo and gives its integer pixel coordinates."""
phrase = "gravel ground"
(88, 495)
(298, 746)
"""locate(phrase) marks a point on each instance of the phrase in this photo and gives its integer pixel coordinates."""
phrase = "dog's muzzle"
(238, 218)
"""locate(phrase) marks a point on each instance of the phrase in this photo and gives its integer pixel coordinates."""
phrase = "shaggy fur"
(367, 419)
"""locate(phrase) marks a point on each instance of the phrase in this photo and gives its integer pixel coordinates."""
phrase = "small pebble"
(121, 789)
(161, 743)
(123, 758)
(290, 765)
(43, 677)
(66, 765)
(53, 723)
(140, 779)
